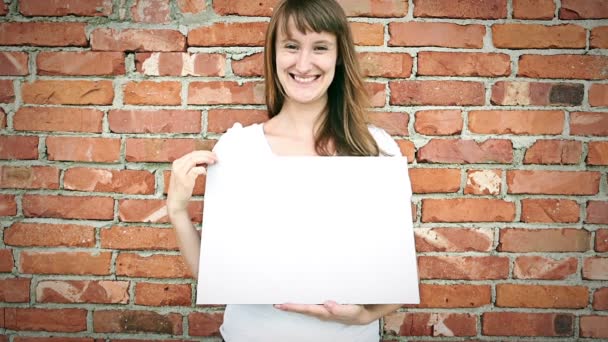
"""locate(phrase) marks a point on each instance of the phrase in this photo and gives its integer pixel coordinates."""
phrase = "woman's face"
(306, 64)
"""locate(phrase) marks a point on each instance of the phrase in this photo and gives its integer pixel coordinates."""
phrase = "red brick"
(467, 268)
(225, 92)
(467, 210)
(595, 268)
(153, 93)
(154, 266)
(136, 321)
(13, 63)
(521, 240)
(29, 177)
(18, 147)
(533, 9)
(205, 324)
(58, 119)
(139, 182)
(83, 291)
(69, 207)
(153, 294)
(81, 63)
(438, 122)
(153, 210)
(549, 210)
(600, 299)
(7, 91)
(583, 9)
(249, 66)
(220, 120)
(483, 182)
(436, 34)
(441, 93)
(430, 324)
(589, 123)
(49, 235)
(434, 180)
(191, 6)
(151, 11)
(463, 64)
(563, 66)
(374, 8)
(601, 240)
(466, 151)
(394, 123)
(8, 206)
(57, 8)
(143, 238)
(377, 93)
(407, 149)
(594, 326)
(367, 34)
(229, 34)
(507, 93)
(516, 122)
(554, 152)
(553, 182)
(48, 320)
(598, 153)
(15, 290)
(43, 34)
(180, 64)
(488, 9)
(536, 36)
(599, 38)
(526, 324)
(155, 121)
(453, 296)
(538, 267)
(101, 150)
(541, 296)
(261, 8)
(2, 119)
(598, 94)
(3, 11)
(76, 263)
(163, 150)
(52, 339)
(453, 239)
(199, 184)
(137, 40)
(68, 92)
(384, 64)
(597, 212)
(6, 260)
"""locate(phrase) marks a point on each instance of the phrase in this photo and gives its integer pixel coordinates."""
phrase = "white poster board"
(306, 230)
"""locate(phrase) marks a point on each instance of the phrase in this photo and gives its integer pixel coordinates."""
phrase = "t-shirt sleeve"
(385, 142)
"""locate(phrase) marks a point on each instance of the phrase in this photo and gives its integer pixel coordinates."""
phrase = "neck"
(302, 119)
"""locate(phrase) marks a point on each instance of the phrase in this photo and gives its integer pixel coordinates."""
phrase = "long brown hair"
(345, 124)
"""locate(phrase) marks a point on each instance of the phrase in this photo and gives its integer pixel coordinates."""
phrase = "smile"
(307, 79)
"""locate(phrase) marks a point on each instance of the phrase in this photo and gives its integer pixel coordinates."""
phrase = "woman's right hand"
(183, 176)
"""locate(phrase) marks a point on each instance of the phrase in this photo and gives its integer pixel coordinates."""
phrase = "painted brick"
(554, 152)
(600, 299)
(526, 324)
(15, 290)
(595, 268)
(516, 122)
(7, 91)
(137, 40)
(507, 93)
(199, 184)
(82, 63)
(563, 66)
(58, 119)
(533, 9)
(536, 36)
(205, 323)
(483, 182)
(539, 267)
(18, 147)
(553, 182)
(68, 92)
(601, 240)
(436, 34)
(549, 210)
(153, 93)
(14, 63)
(466, 151)
(138, 182)
(180, 64)
(43, 34)
(49, 235)
(226, 92)
(438, 122)
(467, 210)
(384, 64)
(463, 64)
(453, 239)
(434, 180)
(159, 294)
(220, 120)
(65, 7)
(153, 210)
(541, 296)
(430, 324)
(597, 212)
(461, 9)
(136, 321)
(32, 177)
(75, 263)
(141, 238)
(154, 266)
(8, 206)
(229, 34)
(151, 11)
(155, 121)
(163, 150)
(441, 93)
(368, 34)
(589, 9)
(598, 95)
(83, 291)
(69, 207)
(589, 123)
(521, 240)
(394, 123)
(594, 326)
(48, 320)
(101, 150)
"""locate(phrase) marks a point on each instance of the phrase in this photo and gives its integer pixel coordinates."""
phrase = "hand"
(183, 175)
(331, 311)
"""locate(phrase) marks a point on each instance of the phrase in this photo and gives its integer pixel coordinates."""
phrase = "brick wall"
(500, 105)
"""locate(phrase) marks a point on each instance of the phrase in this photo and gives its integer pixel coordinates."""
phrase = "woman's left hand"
(331, 311)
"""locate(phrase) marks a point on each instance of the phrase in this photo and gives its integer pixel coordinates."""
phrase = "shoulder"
(236, 138)
(385, 142)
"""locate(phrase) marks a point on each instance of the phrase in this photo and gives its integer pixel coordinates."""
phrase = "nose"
(304, 61)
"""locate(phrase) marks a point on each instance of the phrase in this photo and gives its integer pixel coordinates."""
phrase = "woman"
(317, 106)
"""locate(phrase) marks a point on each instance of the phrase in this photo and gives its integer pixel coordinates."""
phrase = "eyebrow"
(321, 41)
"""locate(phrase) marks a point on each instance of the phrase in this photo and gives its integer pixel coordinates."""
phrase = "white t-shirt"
(264, 323)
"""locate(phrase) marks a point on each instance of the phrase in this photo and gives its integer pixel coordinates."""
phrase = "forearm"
(188, 239)
(377, 311)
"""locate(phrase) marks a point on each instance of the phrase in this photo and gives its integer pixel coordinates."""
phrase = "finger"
(307, 309)
(200, 157)
(199, 170)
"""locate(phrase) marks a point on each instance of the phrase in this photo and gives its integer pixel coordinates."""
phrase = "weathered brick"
(507, 93)
(180, 64)
(595, 268)
(68, 92)
(43, 34)
(154, 121)
(81, 63)
(434, 180)
(199, 184)
(117, 237)
(453, 239)
(466, 151)
(18, 147)
(438, 122)
(6, 260)
(48, 320)
(601, 240)
(77, 263)
(394, 123)
(533, 9)
(139, 182)
(436, 34)
(163, 150)
(191, 6)
(49, 235)
(153, 93)
(600, 299)
(101, 150)
(153, 210)
(367, 34)
(467, 210)
(453, 296)
(205, 323)
(220, 120)
(468, 268)
(138, 40)
(597, 212)
(483, 182)
(83, 291)
(377, 93)
(598, 94)
(14, 63)
(488, 9)
(158, 294)
(553, 182)
(521, 240)
(430, 324)
(8, 206)
(249, 66)
(226, 92)
(549, 210)
(526, 324)
(228, 34)
(589, 123)
(15, 290)
(136, 321)
(541, 296)
(154, 266)
(384, 64)
(536, 36)
(7, 91)
(516, 122)
(594, 326)
(564, 66)
(583, 9)
(434, 63)
(69, 207)
(32, 177)
(599, 38)
(58, 119)
(539, 267)
(151, 11)
(441, 93)
(58, 8)
(554, 152)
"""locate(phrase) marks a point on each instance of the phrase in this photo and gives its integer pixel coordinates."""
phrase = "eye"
(321, 48)
(290, 46)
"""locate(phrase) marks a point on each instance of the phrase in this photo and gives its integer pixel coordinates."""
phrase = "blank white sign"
(307, 230)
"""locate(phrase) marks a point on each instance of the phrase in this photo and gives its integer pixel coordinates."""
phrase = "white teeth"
(304, 79)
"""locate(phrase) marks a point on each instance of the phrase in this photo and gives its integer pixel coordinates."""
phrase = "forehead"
(289, 30)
